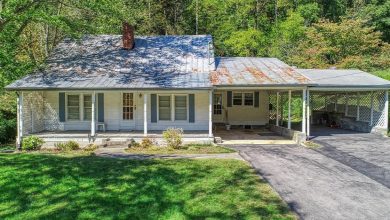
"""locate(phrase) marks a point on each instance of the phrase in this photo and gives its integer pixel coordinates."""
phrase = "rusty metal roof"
(252, 71)
(99, 62)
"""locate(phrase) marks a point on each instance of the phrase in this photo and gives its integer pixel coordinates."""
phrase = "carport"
(339, 99)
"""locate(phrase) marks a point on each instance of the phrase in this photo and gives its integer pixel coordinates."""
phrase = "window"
(73, 107)
(128, 109)
(248, 99)
(217, 107)
(164, 108)
(180, 107)
(87, 107)
(237, 98)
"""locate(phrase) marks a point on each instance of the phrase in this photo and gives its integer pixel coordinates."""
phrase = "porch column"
(93, 126)
(277, 108)
(289, 110)
(372, 109)
(304, 110)
(308, 113)
(145, 114)
(386, 110)
(19, 113)
(210, 113)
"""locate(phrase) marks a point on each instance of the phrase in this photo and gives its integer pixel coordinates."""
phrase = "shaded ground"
(345, 181)
(38, 186)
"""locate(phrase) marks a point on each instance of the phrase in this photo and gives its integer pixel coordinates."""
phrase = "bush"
(32, 143)
(173, 137)
(147, 142)
(7, 130)
(67, 146)
(90, 148)
(133, 144)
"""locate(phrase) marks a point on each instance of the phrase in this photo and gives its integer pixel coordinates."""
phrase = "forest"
(302, 33)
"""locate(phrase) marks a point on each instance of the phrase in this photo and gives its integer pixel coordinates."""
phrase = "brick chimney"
(128, 36)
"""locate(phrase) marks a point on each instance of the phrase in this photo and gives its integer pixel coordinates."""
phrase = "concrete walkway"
(318, 186)
(116, 152)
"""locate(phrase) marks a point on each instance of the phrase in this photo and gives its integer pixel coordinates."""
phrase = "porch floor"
(115, 134)
(250, 136)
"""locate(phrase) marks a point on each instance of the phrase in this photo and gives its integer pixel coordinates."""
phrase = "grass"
(7, 147)
(311, 144)
(38, 186)
(187, 149)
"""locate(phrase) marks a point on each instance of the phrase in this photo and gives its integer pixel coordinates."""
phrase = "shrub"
(7, 130)
(133, 144)
(173, 137)
(147, 142)
(32, 143)
(90, 148)
(67, 146)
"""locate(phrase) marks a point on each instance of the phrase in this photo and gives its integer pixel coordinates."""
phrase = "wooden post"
(145, 115)
(277, 108)
(289, 110)
(93, 123)
(210, 114)
(304, 110)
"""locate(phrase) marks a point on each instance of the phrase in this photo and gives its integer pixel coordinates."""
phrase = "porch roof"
(99, 62)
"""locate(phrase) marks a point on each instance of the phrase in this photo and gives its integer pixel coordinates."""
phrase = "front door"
(128, 111)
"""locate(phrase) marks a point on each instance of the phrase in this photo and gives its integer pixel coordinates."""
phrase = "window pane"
(87, 113)
(127, 106)
(217, 104)
(73, 107)
(237, 98)
(180, 107)
(87, 107)
(164, 105)
(248, 99)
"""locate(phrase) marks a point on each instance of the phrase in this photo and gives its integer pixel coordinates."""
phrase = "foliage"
(133, 144)
(173, 137)
(32, 143)
(147, 142)
(186, 149)
(90, 148)
(108, 188)
(67, 146)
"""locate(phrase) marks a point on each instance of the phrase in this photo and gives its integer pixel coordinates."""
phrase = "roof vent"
(128, 36)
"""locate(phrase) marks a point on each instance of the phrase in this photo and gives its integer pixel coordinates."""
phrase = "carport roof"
(344, 78)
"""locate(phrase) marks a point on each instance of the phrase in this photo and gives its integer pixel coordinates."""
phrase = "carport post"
(358, 107)
(386, 110)
(277, 108)
(308, 113)
(304, 110)
(289, 110)
(145, 114)
(19, 120)
(210, 114)
(372, 109)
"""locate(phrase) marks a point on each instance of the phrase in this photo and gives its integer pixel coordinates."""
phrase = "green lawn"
(39, 186)
(188, 149)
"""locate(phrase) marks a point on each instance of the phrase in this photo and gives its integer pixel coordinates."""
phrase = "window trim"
(243, 99)
(122, 96)
(83, 101)
(81, 106)
(173, 107)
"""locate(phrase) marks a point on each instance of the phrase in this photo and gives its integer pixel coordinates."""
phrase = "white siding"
(113, 112)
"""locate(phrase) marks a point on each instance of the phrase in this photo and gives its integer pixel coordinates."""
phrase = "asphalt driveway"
(347, 178)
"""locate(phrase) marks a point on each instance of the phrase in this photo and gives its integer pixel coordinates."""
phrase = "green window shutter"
(100, 99)
(61, 105)
(229, 98)
(257, 96)
(153, 107)
(191, 108)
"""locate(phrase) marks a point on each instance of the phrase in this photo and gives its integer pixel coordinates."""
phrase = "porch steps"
(259, 142)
